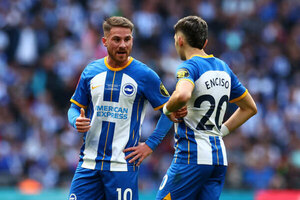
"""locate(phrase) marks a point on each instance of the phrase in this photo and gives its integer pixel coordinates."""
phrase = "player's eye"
(116, 39)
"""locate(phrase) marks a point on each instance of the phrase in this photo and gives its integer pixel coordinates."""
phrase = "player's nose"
(122, 44)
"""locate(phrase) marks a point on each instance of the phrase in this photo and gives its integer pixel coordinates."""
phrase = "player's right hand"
(138, 153)
(173, 118)
(178, 115)
(181, 113)
(83, 124)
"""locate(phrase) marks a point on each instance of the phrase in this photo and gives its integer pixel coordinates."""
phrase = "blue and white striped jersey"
(198, 138)
(115, 99)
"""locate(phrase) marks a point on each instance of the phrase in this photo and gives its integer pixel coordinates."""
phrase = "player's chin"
(122, 56)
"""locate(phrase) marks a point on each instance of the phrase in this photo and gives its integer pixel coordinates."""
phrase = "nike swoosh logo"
(94, 87)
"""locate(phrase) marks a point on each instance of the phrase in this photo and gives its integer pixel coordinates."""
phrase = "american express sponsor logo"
(112, 111)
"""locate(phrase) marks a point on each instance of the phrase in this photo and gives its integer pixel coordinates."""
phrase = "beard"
(119, 58)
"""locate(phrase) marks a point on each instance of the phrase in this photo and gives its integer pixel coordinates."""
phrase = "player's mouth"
(121, 53)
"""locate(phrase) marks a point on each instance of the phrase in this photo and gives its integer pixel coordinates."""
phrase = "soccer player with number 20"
(205, 84)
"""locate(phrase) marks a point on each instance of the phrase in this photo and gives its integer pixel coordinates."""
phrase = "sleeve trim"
(151, 144)
(186, 79)
(159, 107)
(78, 104)
(239, 98)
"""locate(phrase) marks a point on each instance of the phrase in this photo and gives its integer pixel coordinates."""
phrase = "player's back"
(198, 137)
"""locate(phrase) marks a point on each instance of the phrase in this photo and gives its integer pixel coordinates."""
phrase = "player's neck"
(190, 52)
(112, 63)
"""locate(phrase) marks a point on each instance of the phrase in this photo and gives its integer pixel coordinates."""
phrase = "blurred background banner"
(45, 45)
(278, 195)
(58, 194)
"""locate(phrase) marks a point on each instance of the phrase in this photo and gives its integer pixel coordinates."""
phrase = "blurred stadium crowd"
(45, 44)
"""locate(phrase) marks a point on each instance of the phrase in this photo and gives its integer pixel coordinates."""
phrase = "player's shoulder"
(211, 62)
(94, 67)
(191, 65)
(220, 61)
(197, 61)
(141, 67)
(199, 65)
(189, 62)
(221, 65)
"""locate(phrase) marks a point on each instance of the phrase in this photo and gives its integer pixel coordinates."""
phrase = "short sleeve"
(186, 71)
(154, 90)
(80, 96)
(238, 91)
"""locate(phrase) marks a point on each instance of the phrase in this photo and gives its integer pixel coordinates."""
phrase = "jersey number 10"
(127, 191)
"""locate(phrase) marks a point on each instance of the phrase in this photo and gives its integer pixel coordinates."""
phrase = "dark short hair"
(117, 21)
(195, 30)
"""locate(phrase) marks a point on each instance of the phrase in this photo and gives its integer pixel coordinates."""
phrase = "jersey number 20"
(209, 98)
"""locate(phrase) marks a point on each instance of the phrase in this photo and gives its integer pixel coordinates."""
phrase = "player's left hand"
(139, 152)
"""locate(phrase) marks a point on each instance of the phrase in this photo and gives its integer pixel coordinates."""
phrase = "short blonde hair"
(117, 21)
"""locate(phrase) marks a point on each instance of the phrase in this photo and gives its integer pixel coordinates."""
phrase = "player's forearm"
(239, 117)
(162, 128)
(177, 101)
(247, 108)
(180, 96)
(73, 113)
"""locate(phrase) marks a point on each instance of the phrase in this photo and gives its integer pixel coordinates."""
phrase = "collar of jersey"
(118, 68)
(208, 56)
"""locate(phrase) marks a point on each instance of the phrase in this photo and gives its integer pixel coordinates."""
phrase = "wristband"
(224, 130)
(165, 110)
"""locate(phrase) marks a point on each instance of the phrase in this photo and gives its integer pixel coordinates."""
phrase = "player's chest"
(114, 87)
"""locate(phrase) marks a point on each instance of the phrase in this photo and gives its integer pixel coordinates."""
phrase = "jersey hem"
(123, 168)
(201, 162)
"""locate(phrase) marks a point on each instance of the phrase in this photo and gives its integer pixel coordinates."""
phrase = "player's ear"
(205, 43)
(180, 40)
(104, 40)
